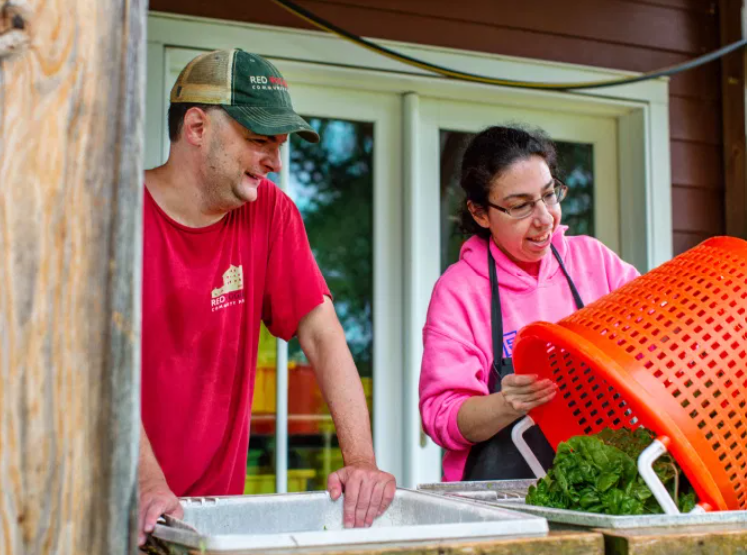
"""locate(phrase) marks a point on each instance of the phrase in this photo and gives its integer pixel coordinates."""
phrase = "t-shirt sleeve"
(294, 285)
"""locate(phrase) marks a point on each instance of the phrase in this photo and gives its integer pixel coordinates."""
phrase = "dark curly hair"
(489, 154)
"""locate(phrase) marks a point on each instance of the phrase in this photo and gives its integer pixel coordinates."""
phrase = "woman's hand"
(482, 416)
(523, 392)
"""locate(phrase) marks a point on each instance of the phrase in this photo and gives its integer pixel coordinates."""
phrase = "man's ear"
(479, 214)
(196, 123)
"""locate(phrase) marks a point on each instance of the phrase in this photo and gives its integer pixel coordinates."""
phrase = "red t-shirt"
(204, 293)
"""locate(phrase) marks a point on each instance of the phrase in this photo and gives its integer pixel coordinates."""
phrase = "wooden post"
(733, 110)
(71, 134)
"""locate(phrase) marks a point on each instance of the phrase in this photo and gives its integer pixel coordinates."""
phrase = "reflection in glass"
(332, 184)
(575, 169)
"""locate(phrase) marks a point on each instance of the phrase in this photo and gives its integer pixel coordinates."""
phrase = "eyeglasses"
(551, 198)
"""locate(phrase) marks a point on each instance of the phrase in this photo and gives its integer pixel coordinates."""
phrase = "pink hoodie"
(457, 335)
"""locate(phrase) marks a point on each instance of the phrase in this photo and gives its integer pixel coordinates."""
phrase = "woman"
(469, 396)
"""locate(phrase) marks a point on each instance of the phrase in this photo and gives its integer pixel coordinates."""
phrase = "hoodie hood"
(475, 254)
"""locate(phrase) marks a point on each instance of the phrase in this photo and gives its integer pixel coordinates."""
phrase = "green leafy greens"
(599, 474)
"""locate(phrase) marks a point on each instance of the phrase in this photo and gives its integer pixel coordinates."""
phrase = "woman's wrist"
(504, 408)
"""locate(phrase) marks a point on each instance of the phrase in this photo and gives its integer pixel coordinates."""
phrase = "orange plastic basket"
(667, 351)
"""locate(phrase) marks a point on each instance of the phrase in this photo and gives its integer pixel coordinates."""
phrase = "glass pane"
(260, 468)
(332, 185)
(575, 168)
(453, 144)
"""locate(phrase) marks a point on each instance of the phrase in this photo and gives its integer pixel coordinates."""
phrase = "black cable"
(464, 76)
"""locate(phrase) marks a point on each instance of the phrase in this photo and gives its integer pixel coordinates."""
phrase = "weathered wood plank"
(695, 540)
(557, 543)
(71, 108)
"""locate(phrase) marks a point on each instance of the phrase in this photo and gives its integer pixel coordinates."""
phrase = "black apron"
(498, 458)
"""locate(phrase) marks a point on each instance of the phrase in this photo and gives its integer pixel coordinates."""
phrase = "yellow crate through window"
(298, 480)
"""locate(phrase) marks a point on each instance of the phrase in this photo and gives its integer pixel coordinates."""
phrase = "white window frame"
(314, 58)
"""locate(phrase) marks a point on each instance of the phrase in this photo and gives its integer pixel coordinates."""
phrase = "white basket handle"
(517, 435)
(645, 467)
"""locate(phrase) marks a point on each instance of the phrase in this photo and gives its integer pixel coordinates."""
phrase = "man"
(223, 249)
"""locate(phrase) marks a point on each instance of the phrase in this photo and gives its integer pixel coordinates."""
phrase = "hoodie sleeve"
(619, 272)
(453, 368)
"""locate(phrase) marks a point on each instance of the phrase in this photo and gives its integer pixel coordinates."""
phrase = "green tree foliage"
(576, 169)
(333, 189)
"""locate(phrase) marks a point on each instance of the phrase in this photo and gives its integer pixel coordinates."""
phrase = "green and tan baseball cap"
(248, 87)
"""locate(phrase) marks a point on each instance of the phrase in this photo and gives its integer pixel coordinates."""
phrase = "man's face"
(236, 160)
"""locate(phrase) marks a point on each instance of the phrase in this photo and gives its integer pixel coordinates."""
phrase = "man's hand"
(368, 493)
(155, 499)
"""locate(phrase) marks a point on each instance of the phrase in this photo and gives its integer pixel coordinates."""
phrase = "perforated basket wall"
(667, 351)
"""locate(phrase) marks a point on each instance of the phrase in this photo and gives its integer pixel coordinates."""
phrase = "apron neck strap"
(496, 317)
(574, 291)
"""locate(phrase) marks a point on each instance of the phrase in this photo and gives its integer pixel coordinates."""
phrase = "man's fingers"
(352, 488)
(390, 488)
(368, 493)
(140, 535)
(364, 500)
(144, 506)
(147, 520)
(334, 484)
(155, 499)
(176, 510)
(377, 495)
(155, 510)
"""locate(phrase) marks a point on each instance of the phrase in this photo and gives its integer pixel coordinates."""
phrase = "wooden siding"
(733, 117)
(636, 35)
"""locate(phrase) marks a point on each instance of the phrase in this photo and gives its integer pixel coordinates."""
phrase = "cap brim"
(272, 121)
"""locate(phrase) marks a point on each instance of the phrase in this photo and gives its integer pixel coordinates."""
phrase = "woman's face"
(524, 240)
